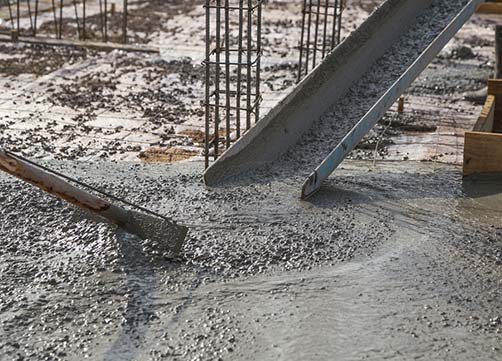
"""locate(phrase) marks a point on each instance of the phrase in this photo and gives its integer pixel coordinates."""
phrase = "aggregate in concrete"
(398, 261)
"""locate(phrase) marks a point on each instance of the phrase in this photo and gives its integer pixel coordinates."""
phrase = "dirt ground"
(79, 104)
(391, 260)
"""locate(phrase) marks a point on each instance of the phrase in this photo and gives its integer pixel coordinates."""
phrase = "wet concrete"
(386, 262)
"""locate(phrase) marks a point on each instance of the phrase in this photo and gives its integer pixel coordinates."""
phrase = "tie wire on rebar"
(232, 70)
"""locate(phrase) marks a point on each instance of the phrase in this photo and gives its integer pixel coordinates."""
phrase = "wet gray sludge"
(392, 254)
(394, 261)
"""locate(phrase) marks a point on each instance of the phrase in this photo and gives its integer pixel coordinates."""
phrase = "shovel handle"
(61, 189)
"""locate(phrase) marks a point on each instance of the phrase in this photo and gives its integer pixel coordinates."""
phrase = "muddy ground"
(391, 260)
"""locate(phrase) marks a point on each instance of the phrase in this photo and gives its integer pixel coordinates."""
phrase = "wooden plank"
(482, 153)
(485, 120)
(80, 44)
(490, 8)
(495, 88)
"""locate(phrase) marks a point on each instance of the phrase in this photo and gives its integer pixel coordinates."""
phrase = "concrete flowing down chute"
(330, 82)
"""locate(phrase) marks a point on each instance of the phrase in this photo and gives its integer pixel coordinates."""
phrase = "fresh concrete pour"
(399, 261)
(351, 82)
(394, 262)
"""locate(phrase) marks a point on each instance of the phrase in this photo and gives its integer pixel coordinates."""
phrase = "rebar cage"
(90, 18)
(232, 64)
(321, 32)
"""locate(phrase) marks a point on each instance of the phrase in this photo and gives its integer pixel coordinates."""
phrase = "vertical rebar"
(83, 19)
(207, 83)
(334, 31)
(18, 14)
(258, 64)
(101, 21)
(217, 80)
(105, 4)
(227, 73)
(10, 14)
(302, 39)
(342, 4)
(55, 17)
(239, 69)
(249, 63)
(77, 19)
(325, 30)
(35, 20)
(124, 23)
(316, 36)
(307, 47)
(61, 3)
(30, 15)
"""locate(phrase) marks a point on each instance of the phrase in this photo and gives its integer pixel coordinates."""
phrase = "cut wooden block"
(482, 153)
(485, 120)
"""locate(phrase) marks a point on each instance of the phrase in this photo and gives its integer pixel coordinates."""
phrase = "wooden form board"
(485, 120)
(495, 89)
(490, 7)
(482, 153)
(483, 146)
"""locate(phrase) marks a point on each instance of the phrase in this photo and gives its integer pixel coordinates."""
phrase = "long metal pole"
(342, 5)
(227, 74)
(217, 80)
(61, 4)
(18, 14)
(325, 31)
(258, 65)
(316, 36)
(309, 22)
(105, 3)
(35, 20)
(83, 19)
(124, 23)
(77, 19)
(207, 83)
(55, 17)
(249, 61)
(10, 14)
(302, 39)
(335, 17)
(30, 15)
(239, 69)
(144, 226)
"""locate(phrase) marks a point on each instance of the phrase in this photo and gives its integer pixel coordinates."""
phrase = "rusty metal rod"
(309, 22)
(207, 84)
(35, 20)
(325, 30)
(302, 39)
(217, 80)
(124, 23)
(239, 69)
(227, 75)
(258, 63)
(249, 67)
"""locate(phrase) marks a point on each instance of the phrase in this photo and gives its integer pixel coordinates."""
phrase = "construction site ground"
(397, 257)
